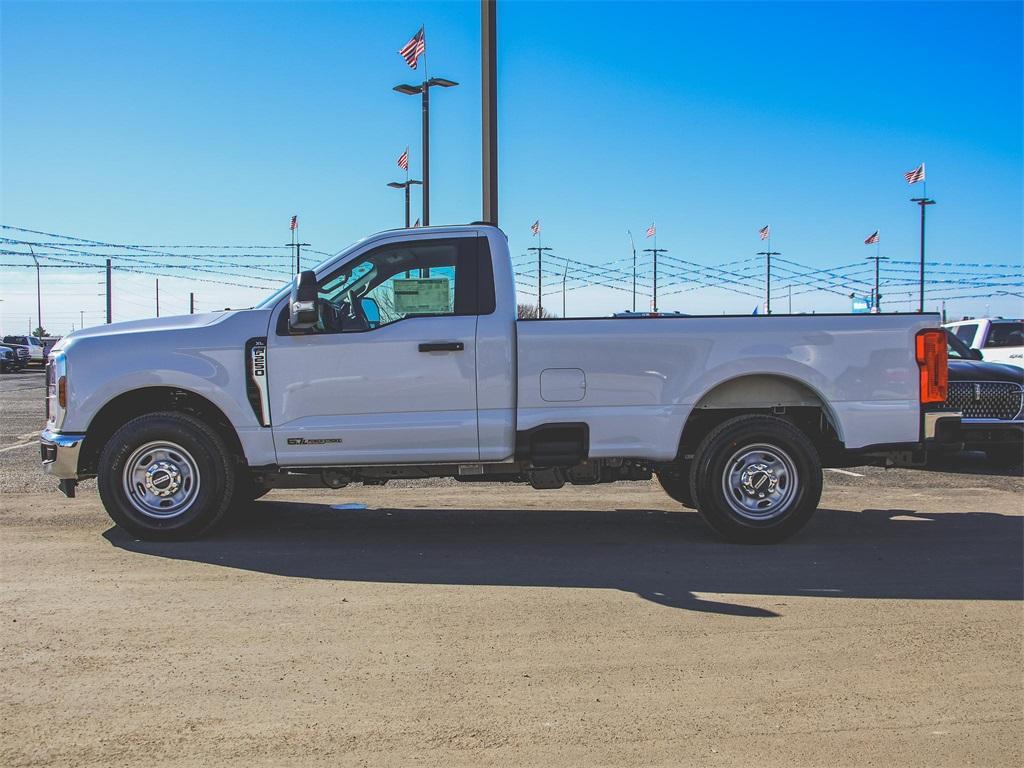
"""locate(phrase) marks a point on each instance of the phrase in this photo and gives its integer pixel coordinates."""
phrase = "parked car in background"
(22, 355)
(991, 398)
(998, 339)
(34, 346)
(8, 360)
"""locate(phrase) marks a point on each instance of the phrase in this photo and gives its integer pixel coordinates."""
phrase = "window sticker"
(422, 296)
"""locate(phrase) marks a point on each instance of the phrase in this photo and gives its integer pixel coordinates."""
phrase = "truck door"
(389, 376)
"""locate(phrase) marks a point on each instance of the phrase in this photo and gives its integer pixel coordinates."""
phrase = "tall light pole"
(768, 278)
(923, 202)
(489, 107)
(424, 90)
(655, 251)
(404, 185)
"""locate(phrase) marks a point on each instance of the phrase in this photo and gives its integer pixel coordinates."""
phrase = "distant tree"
(529, 312)
(40, 332)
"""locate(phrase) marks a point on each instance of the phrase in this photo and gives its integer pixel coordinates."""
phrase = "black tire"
(789, 462)
(675, 481)
(198, 464)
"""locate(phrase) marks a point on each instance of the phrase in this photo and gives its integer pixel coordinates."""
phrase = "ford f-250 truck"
(402, 357)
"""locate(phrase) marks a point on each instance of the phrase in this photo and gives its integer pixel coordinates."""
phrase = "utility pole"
(39, 294)
(655, 251)
(633, 246)
(81, 318)
(789, 290)
(540, 278)
(191, 303)
(565, 274)
(923, 202)
(158, 297)
(404, 185)
(876, 299)
(110, 308)
(489, 107)
(768, 278)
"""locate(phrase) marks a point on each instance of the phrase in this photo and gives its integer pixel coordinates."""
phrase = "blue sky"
(214, 122)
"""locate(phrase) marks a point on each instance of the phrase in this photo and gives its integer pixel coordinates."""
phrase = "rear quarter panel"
(644, 376)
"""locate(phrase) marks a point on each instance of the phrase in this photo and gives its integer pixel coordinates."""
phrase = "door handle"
(443, 346)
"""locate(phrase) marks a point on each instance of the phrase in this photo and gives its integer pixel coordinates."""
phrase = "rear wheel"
(757, 479)
(166, 476)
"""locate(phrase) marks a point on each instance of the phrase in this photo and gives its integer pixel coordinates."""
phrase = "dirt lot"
(493, 625)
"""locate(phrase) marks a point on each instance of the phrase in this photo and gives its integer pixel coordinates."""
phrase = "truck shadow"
(667, 557)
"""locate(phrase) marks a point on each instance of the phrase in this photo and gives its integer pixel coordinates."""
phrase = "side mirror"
(371, 311)
(976, 354)
(303, 307)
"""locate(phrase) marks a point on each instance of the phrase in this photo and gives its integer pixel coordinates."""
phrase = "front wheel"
(757, 479)
(166, 476)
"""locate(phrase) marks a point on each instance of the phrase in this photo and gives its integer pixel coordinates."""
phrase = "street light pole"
(39, 294)
(424, 90)
(768, 278)
(404, 185)
(923, 202)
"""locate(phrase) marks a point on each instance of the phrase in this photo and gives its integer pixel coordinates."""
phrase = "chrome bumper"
(60, 454)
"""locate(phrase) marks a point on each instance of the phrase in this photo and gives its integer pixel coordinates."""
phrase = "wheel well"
(762, 393)
(139, 402)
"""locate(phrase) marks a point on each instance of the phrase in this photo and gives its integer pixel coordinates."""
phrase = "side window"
(426, 278)
(966, 333)
(1009, 334)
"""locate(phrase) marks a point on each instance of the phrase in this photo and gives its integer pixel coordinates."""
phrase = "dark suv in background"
(991, 398)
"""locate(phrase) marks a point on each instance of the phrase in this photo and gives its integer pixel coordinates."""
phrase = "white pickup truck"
(402, 357)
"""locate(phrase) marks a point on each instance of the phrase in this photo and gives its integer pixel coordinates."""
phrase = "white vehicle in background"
(999, 340)
(36, 355)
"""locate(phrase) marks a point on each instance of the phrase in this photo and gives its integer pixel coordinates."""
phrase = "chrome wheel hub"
(760, 482)
(161, 480)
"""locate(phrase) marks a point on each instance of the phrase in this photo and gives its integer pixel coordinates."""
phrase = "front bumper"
(59, 453)
(979, 434)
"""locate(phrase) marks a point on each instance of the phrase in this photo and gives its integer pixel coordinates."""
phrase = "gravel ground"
(495, 625)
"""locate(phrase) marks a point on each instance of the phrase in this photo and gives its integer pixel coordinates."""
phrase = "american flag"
(872, 239)
(765, 232)
(294, 224)
(915, 175)
(535, 227)
(403, 160)
(651, 231)
(415, 48)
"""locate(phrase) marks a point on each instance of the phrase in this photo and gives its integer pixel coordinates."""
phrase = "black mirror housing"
(976, 354)
(304, 307)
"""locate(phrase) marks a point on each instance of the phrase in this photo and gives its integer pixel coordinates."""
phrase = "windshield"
(956, 349)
